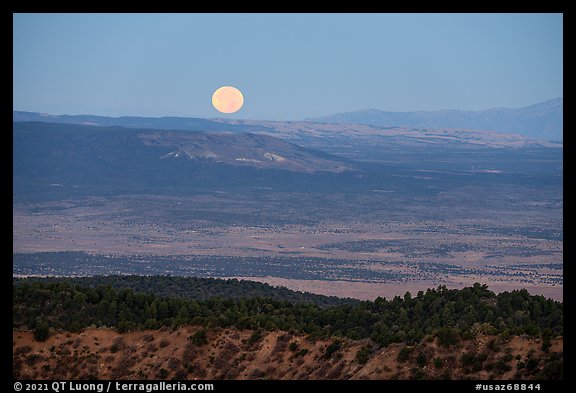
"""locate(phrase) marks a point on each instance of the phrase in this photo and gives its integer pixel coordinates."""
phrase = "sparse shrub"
(479, 362)
(199, 338)
(32, 359)
(257, 374)
(417, 373)
(220, 363)
(270, 370)
(293, 347)
(494, 345)
(501, 366)
(280, 347)
(450, 360)
(230, 349)
(16, 368)
(438, 363)
(123, 367)
(22, 350)
(553, 370)
(74, 372)
(201, 372)
(190, 352)
(254, 338)
(468, 358)
(404, 354)
(118, 345)
(421, 359)
(42, 331)
(92, 358)
(180, 375)
(532, 366)
(151, 348)
(284, 338)
(331, 349)
(164, 343)
(148, 338)
(162, 373)
(363, 354)
(555, 356)
(173, 363)
(223, 359)
(336, 372)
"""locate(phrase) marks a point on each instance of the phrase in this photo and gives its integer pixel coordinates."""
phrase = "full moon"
(227, 99)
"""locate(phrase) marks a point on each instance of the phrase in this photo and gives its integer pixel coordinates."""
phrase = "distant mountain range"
(173, 123)
(354, 141)
(540, 121)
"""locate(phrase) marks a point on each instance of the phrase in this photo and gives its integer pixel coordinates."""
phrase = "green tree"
(42, 331)
(421, 359)
(404, 354)
(546, 340)
(447, 336)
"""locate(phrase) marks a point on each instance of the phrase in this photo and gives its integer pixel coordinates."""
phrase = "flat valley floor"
(360, 245)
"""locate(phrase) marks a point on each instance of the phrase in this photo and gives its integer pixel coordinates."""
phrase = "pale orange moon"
(227, 99)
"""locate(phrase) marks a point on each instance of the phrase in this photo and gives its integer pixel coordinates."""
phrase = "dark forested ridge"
(449, 315)
(195, 288)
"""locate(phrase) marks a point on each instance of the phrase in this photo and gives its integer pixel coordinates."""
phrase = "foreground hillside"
(208, 328)
(194, 353)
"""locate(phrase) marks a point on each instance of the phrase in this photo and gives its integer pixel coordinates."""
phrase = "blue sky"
(288, 66)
